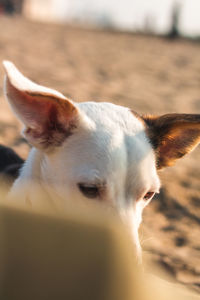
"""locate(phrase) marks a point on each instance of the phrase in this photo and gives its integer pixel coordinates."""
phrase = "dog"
(95, 151)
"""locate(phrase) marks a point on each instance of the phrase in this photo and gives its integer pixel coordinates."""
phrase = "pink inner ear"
(48, 119)
(36, 109)
(32, 110)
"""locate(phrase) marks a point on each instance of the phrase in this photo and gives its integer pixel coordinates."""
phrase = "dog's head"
(99, 151)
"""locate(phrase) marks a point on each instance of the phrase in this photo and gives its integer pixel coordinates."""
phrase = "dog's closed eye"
(148, 196)
(90, 191)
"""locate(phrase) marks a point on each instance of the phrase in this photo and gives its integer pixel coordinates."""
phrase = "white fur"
(114, 150)
(109, 147)
(24, 84)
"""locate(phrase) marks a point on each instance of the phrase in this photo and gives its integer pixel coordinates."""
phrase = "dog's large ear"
(48, 116)
(173, 136)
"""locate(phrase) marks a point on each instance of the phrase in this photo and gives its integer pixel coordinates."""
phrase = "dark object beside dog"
(10, 164)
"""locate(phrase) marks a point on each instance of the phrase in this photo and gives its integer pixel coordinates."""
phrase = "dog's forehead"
(111, 147)
(112, 116)
(119, 126)
(117, 138)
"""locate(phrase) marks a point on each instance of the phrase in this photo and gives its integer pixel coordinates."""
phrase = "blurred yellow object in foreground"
(83, 253)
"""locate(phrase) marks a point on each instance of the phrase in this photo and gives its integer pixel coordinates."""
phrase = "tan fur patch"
(172, 136)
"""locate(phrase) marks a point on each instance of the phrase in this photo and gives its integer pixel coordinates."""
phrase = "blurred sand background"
(147, 74)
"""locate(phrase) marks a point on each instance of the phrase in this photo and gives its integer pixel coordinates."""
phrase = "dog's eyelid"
(90, 177)
(91, 190)
(154, 189)
(99, 184)
(150, 194)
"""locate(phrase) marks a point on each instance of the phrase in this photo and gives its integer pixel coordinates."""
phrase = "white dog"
(99, 151)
